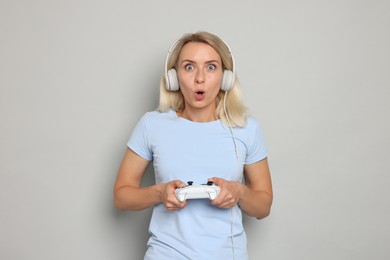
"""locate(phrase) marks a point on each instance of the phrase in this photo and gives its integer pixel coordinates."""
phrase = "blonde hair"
(231, 111)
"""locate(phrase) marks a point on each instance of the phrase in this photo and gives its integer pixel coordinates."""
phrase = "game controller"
(197, 191)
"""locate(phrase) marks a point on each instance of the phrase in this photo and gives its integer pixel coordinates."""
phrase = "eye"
(189, 67)
(211, 67)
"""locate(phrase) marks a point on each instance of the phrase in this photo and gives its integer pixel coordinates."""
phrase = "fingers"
(170, 201)
(229, 194)
(216, 181)
(224, 201)
(173, 206)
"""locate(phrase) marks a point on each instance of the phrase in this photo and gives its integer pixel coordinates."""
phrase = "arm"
(257, 194)
(128, 195)
(254, 197)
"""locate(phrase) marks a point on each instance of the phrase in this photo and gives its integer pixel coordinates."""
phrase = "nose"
(199, 77)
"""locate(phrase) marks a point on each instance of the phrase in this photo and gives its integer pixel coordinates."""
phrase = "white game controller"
(197, 191)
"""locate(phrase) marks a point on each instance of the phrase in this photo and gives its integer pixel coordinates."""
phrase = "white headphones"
(172, 82)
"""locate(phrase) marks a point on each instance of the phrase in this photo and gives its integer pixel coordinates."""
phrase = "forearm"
(135, 198)
(255, 203)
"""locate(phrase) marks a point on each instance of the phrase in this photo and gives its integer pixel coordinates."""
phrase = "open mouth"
(199, 94)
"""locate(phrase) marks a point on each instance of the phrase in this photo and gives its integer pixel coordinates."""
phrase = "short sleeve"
(256, 146)
(139, 141)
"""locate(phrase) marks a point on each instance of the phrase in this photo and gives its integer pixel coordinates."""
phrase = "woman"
(200, 132)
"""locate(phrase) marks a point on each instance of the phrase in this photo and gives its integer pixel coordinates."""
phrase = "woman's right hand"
(169, 199)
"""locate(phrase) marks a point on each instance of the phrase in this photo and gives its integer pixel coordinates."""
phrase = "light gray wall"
(75, 76)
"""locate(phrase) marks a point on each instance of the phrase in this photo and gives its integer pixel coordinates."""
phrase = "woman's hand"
(254, 197)
(168, 197)
(230, 193)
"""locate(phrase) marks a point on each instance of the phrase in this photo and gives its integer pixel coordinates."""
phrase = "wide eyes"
(209, 67)
(189, 67)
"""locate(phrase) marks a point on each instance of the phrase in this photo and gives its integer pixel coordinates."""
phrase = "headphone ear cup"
(172, 81)
(227, 80)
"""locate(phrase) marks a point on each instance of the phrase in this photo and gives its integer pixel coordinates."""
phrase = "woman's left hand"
(230, 193)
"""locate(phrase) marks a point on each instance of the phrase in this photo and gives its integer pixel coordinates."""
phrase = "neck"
(199, 116)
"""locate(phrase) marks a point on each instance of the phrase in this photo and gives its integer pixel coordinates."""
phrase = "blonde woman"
(200, 133)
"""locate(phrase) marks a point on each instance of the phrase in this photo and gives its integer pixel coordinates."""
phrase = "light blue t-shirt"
(191, 151)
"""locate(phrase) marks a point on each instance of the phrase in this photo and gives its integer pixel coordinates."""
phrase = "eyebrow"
(191, 61)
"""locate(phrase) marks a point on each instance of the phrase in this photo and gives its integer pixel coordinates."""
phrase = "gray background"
(75, 76)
